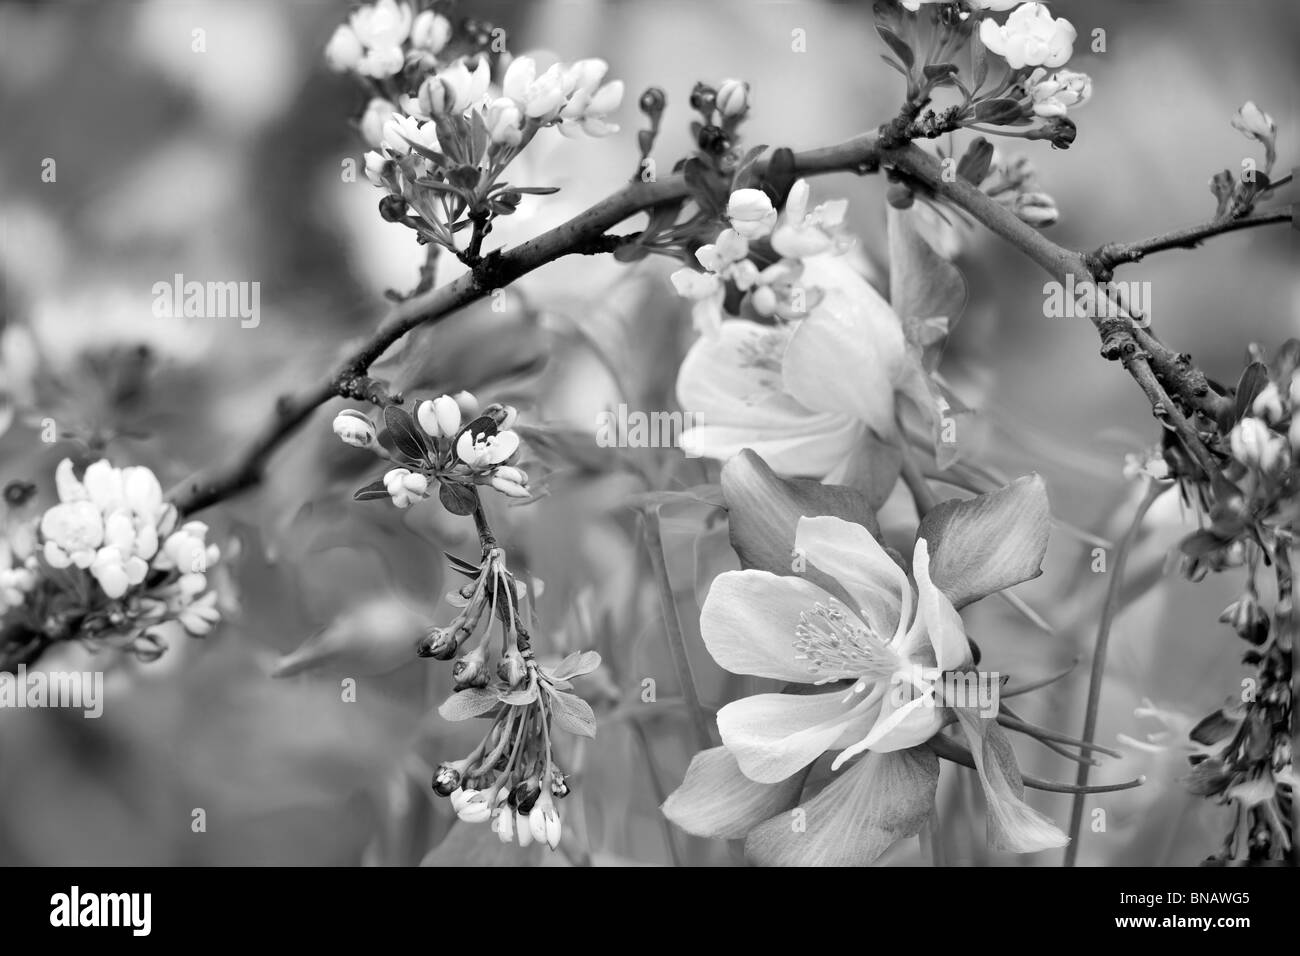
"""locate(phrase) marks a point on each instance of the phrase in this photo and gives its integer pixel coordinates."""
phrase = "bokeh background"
(230, 164)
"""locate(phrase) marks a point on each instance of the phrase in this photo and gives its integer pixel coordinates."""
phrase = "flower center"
(833, 646)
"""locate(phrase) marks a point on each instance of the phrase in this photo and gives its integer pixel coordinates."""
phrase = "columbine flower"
(801, 233)
(1056, 94)
(852, 617)
(1030, 37)
(751, 213)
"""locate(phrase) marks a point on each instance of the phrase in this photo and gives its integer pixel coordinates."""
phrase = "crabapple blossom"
(1030, 37)
(1056, 94)
(405, 487)
(751, 213)
(355, 428)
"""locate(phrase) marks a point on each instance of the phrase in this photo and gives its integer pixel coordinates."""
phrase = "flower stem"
(922, 495)
(673, 630)
(1109, 610)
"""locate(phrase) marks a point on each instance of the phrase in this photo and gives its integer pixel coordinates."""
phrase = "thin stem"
(922, 494)
(1118, 253)
(1108, 613)
(673, 630)
(657, 785)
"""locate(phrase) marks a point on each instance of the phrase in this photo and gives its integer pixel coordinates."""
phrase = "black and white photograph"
(650, 433)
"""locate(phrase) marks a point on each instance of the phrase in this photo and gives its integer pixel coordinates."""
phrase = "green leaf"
(535, 190)
(990, 542)
(407, 436)
(1253, 381)
(438, 158)
(897, 45)
(571, 713)
(999, 112)
(458, 499)
(371, 491)
(577, 664)
(472, 702)
(976, 162)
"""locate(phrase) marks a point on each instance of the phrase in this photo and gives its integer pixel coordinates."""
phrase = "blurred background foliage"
(227, 165)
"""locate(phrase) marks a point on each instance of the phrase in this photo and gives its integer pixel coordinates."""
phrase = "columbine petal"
(748, 623)
(942, 623)
(990, 542)
(849, 554)
(1012, 824)
(763, 510)
(881, 799)
(717, 800)
(775, 735)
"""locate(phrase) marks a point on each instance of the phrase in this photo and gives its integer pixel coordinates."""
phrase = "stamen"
(834, 646)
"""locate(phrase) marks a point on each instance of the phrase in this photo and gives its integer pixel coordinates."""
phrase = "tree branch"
(1113, 254)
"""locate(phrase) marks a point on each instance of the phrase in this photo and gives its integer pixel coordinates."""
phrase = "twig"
(1115, 254)
(1108, 612)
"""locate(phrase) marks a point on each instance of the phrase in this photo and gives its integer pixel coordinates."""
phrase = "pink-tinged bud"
(468, 404)
(1254, 444)
(511, 489)
(440, 644)
(471, 670)
(511, 473)
(355, 428)
(512, 668)
(447, 414)
(344, 50)
(733, 97)
(446, 780)
(433, 96)
(504, 122)
(1036, 209)
(1254, 122)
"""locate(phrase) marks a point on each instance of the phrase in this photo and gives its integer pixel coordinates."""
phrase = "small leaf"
(976, 161)
(457, 499)
(371, 491)
(897, 45)
(472, 702)
(571, 713)
(407, 437)
(1214, 728)
(577, 664)
(522, 696)
(465, 177)
(1252, 382)
(940, 73)
(437, 157)
(999, 112)
(781, 175)
(536, 190)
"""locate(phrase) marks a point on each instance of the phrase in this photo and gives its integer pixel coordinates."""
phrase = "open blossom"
(1056, 94)
(802, 396)
(801, 232)
(380, 28)
(539, 97)
(430, 31)
(454, 89)
(401, 131)
(850, 617)
(1030, 37)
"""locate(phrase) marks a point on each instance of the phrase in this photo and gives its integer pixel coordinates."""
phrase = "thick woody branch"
(586, 233)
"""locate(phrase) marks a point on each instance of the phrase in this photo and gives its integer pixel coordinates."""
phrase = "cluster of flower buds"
(795, 234)
(722, 109)
(450, 444)
(511, 777)
(1237, 196)
(441, 134)
(108, 563)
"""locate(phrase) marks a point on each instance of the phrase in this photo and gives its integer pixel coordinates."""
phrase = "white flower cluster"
(796, 234)
(377, 37)
(114, 525)
(1263, 439)
(540, 824)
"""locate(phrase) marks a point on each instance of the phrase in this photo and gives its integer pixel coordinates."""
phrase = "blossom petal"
(748, 623)
(847, 355)
(717, 800)
(900, 724)
(1013, 825)
(990, 542)
(943, 624)
(775, 735)
(881, 799)
(922, 283)
(876, 586)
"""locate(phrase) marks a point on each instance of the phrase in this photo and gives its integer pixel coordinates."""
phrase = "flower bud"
(653, 101)
(447, 414)
(376, 166)
(1268, 404)
(446, 780)
(355, 428)
(378, 112)
(405, 487)
(1254, 122)
(559, 784)
(512, 668)
(427, 416)
(440, 644)
(703, 98)
(504, 122)
(733, 97)
(1254, 444)
(344, 50)
(503, 824)
(474, 808)
(523, 832)
(511, 489)
(751, 213)
(1036, 209)
(392, 208)
(467, 403)
(524, 796)
(713, 140)
(1247, 618)
(471, 670)
(430, 31)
